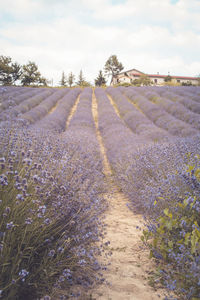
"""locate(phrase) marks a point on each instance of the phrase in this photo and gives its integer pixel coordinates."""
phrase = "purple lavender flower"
(47, 221)
(40, 215)
(51, 253)
(28, 221)
(61, 279)
(7, 210)
(46, 297)
(10, 225)
(23, 273)
(20, 197)
(42, 209)
(67, 273)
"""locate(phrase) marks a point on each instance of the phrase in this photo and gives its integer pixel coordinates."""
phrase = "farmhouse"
(156, 79)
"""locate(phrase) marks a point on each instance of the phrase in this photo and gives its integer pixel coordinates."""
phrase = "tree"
(16, 72)
(100, 80)
(143, 80)
(81, 80)
(30, 74)
(70, 79)
(9, 72)
(113, 66)
(63, 81)
(198, 79)
(168, 78)
(43, 81)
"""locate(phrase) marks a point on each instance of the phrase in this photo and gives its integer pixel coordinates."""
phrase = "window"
(155, 80)
(178, 80)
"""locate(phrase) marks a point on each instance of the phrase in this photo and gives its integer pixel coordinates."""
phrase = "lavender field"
(53, 185)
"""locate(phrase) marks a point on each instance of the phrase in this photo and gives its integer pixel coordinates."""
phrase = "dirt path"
(130, 264)
(74, 107)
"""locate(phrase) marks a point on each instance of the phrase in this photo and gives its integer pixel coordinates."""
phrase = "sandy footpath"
(128, 272)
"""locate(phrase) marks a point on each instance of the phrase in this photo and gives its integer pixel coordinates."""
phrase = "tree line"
(29, 75)
(12, 73)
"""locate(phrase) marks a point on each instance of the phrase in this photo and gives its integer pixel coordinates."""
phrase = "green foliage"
(49, 225)
(198, 79)
(100, 80)
(31, 75)
(188, 83)
(9, 72)
(126, 84)
(176, 239)
(168, 78)
(63, 81)
(113, 66)
(81, 80)
(70, 79)
(144, 80)
(30, 230)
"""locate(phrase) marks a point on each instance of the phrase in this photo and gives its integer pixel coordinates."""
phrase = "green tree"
(9, 72)
(81, 80)
(30, 74)
(113, 66)
(63, 81)
(143, 80)
(70, 79)
(168, 78)
(198, 79)
(100, 80)
(43, 81)
(16, 72)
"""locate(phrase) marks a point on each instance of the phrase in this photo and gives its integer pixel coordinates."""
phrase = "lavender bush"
(56, 121)
(181, 96)
(9, 91)
(17, 98)
(161, 118)
(173, 234)
(135, 119)
(81, 132)
(27, 104)
(51, 218)
(179, 111)
(43, 108)
(52, 186)
(119, 140)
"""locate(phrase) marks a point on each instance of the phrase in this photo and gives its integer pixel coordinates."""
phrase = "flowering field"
(53, 185)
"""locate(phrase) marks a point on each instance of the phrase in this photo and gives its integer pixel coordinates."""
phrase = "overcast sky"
(68, 35)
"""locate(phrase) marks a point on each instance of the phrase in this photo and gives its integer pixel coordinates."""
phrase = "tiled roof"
(139, 73)
(176, 77)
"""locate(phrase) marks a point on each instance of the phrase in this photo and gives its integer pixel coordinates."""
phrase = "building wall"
(155, 80)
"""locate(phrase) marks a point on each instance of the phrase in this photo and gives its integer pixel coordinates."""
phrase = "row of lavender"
(51, 186)
(183, 108)
(77, 166)
(21, 103)
(161, 114)
(135, 119)
(162, 181)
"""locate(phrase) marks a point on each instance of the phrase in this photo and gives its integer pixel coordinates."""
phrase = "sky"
(72, 35)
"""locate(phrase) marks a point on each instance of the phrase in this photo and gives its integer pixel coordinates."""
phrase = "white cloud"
(153, 36)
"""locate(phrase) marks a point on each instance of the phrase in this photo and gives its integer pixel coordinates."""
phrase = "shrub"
(50, 219)
(174, 235)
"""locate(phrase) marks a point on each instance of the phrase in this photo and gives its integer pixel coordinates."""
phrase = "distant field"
(146, 134)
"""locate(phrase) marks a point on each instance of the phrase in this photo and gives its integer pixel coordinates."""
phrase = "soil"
(130, 267)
